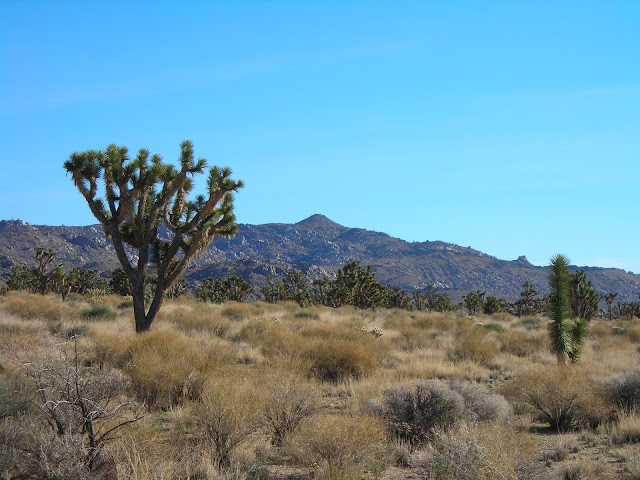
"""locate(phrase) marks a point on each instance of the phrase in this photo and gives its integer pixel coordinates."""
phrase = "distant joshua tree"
(609, 298)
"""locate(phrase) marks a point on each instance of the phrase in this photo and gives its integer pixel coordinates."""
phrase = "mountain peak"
(318, 221)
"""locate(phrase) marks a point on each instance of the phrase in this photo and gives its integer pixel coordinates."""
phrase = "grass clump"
(166, 368)
(627, 428)
(563, 397)
(335, 360)
(472, 452)
(475, 347)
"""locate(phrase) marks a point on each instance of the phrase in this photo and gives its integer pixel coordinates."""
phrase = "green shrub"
(11, 401)
(99, 312)
(496, 327)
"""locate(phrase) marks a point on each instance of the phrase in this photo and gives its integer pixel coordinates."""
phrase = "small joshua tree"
(609, 298)
(140, 195)
(566, 339)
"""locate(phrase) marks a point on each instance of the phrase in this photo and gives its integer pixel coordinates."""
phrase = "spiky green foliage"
(492, 305)
(528, 304)
(473, 301)
(220, 290)
(559, 307)
(358, 286)
(566, 338)
(584, 299)
(142, 193)
(398, 298)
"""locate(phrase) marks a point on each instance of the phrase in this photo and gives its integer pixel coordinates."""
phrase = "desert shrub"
(61, 329)
(520, 344)
(273, 338)
(166, 368)
(290, 400)
(334, 360)
(241, 311)
(32, 306)
(13, 399)
(584, 469)
(496, 327)
(563, 449)
(599, 329)
(307, 315)
(125, 304)
(414, 414)
(562, 396)
(532, 323)
(99, 312)
(634, 333)
(200, 317)
(112, 348)
(29, 450)
(627, 428)
(471, 452)
(624, 389)
(479, 404)
(79, 410)
(474, 347)
(339, 446)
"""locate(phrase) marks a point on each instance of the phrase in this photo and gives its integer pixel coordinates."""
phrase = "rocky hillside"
(318, 246)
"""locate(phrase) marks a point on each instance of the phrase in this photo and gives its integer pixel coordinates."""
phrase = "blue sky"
(510, 127)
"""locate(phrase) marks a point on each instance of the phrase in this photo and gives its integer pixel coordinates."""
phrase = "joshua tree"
(609, 298)
(140, 195)
(584, 299)
(527, 299)
(566, 339)
(474, 301)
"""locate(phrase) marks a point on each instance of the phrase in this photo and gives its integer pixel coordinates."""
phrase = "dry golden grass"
(627, 428)
(251, 362)
(476, 345)
(339, 446)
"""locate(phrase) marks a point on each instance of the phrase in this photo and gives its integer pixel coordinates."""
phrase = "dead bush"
(291, 399)
(79, 408)
(477, 453)
(624, 389)
(230, 411)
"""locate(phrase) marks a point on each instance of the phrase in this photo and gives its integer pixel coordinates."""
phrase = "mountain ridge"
(318, 246)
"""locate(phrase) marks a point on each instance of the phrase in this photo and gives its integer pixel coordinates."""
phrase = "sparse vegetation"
(259, 390)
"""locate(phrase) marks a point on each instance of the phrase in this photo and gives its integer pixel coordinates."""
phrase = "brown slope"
(258, 250)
